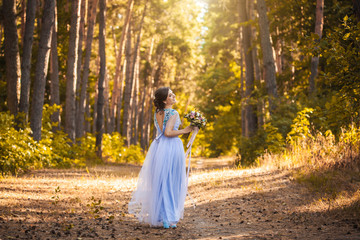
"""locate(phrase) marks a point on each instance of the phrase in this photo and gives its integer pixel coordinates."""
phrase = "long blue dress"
(162, 187)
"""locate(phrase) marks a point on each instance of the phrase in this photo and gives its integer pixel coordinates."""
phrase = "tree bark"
(87, 114)
(54, 74)
(127, 92)
(23, 21)
(100, 107)
(156, 81)
(86, 69)
(356, 5)
(268, 54)
(42, 68)
(251, 119)
(319, 23)
(79, 60)
(71, 75)
(107, 105)
(26, 58)
(242, 91)
(114, 40)
(116, 99)
(12, 57)
(144, 118)
(260, 115)
(134, 76)
(136, 101)
(95, 107)
(120, 98)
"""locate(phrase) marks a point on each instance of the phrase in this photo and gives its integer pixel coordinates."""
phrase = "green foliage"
(300, 129)
(340, 81)
(250, 149)
(115, 151)
(274, 141)
(223, 131)
(133, 154)
(60, 150)
(18, 151)
(84, 149)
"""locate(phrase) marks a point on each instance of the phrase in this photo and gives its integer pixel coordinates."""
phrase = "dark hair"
(161, 95)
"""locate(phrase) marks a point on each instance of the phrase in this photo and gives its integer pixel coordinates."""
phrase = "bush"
(115, 151)
(133, 154)
(18, 151)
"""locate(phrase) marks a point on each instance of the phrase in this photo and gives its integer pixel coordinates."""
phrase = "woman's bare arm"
(169, 130)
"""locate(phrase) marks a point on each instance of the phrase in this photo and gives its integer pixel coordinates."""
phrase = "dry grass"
(329, 168)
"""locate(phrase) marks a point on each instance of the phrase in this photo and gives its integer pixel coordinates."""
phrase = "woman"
(161, 189)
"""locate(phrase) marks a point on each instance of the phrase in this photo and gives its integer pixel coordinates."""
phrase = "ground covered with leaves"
(230, 204)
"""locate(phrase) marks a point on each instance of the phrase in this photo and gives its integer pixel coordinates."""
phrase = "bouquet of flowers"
(196, 119)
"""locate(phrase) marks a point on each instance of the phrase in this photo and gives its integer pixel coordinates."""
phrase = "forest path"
(230, 204)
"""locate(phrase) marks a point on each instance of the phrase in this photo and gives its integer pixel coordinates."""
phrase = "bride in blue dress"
(161, 189)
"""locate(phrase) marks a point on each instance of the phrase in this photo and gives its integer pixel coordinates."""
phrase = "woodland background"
(277, 80)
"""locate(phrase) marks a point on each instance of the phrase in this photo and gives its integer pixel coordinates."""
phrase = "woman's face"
(171, 98)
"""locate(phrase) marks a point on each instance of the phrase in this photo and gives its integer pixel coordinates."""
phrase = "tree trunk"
(136, 101)
(114, 40)
(100, 107)
(319, 23)
(71, 75)
(134, 74)
(268, 54)
(26, 58)
(12, 57)
(251, 119)
(23, 16)
(356, 5)
(87, 113)
(42, 68)
(120, 98)
(260, 115)
(127, 93)
(148, 118)
(144, 118)
(54, 74)
(86, 69)
(242, 89)
(107, 106)
(116, 99)
(278, 54)
(79, 60)
(156, 80)
(95, 107)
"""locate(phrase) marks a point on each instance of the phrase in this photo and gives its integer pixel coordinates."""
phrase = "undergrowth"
(328, 166)
(19, 152)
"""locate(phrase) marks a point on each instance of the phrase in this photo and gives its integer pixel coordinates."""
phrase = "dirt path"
(230, 204)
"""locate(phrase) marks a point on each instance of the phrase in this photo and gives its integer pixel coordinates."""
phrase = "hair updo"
(161, 95)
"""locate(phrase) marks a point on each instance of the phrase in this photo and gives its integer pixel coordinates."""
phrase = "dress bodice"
(168, 113)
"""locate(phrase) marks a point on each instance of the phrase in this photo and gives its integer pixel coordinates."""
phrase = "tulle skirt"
(161, 187)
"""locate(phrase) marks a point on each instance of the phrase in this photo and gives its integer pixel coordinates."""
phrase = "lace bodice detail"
(168, 113)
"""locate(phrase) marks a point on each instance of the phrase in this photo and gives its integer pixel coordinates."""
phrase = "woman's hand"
(188, 129)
